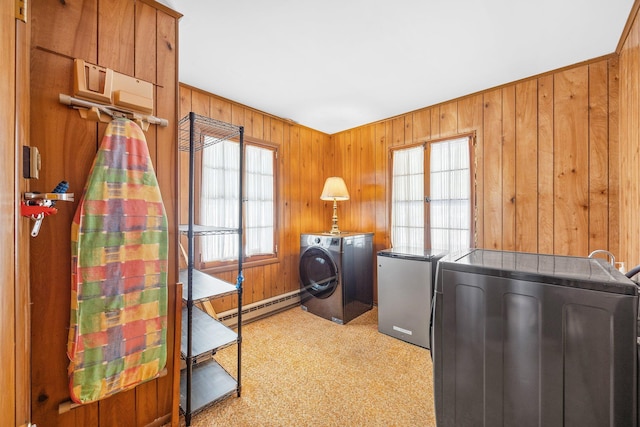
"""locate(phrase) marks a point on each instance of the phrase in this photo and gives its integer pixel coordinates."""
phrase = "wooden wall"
(545, 155)
(137, 38)
(304, 162)
(629, 50)
(14, 261)
(546, 167)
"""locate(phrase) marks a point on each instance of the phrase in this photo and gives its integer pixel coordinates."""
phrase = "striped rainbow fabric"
(119, 245)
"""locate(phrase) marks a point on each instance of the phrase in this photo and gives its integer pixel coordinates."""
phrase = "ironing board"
(119, 251)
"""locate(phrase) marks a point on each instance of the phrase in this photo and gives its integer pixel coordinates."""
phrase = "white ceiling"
(333, 65)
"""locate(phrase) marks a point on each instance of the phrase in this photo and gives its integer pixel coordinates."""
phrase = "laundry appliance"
(405, 289)
(534, 340)
(336, 275)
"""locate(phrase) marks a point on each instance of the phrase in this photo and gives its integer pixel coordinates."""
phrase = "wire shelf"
(207, 131)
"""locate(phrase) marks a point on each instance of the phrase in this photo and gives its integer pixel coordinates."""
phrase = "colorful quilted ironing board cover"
(119, 241)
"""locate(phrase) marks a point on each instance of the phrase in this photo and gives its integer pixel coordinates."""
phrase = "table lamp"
(334, 189)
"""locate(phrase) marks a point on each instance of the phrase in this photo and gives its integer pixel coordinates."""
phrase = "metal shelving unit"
(204, 381)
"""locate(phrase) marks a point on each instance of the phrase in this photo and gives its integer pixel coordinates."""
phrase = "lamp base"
(334, 219)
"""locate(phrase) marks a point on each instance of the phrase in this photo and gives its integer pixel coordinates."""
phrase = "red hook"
(36, 211)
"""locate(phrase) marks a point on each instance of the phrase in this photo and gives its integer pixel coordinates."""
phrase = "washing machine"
(336, 275)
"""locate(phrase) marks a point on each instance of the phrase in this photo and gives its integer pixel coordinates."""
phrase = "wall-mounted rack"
(104, 113)
(101, 94)
(39, 205)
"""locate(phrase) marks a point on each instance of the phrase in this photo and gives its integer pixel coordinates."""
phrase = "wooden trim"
(627, 27)
(163, 8)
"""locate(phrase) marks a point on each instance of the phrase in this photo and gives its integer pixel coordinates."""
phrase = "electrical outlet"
(31, 162)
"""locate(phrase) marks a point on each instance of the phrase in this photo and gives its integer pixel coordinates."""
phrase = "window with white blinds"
(219, 200)
(444, 168)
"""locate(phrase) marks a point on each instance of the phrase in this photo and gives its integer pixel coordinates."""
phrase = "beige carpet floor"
(301, 370)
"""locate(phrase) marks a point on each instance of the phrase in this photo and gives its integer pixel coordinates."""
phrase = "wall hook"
(39, 205)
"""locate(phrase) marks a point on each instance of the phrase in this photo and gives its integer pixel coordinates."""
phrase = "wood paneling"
(15, 403)
(626, 171)
(139, 39)
(543, 177)
(526, 129)
(305, 158)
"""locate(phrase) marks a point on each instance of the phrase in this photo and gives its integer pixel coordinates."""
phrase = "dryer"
(336, 275)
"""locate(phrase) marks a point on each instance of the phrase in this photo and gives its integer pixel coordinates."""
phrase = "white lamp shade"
(334, 189)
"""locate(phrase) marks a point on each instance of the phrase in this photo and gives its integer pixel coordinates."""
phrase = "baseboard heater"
(260, 309)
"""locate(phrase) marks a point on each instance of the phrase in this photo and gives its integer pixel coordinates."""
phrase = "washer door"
(318, 272)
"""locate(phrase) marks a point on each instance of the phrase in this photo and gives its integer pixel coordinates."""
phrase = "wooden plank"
(266, 273)
(286, 249)
(345, 147)
(470, 113)
(200, 104)
(167, 393)
(220, 109)
(545, 165)
(307, 192)
(368, 179)
(398, 130)
(145, 43)
(316, 178)
(598, 156)
(422, 125)
(382, 188)
(295, 195)
(508, 168)
(629, 183)
(14, 381)
(68, 146)
(571, 220)
(614, 159)
(623, 157)
(355, 190)
(118, 409)
(146, 403)
(408, 128)
(257, 124)
(492, 170)
(238, 115)
(389, 143)
(526, 175)
(435, 122)
(116, 42)
(19, 283)
(254, 290)
(68, 28)
(449, 119)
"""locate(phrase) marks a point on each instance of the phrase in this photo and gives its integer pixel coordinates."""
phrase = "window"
(444, 167)
(219, 201)
(407, 207)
